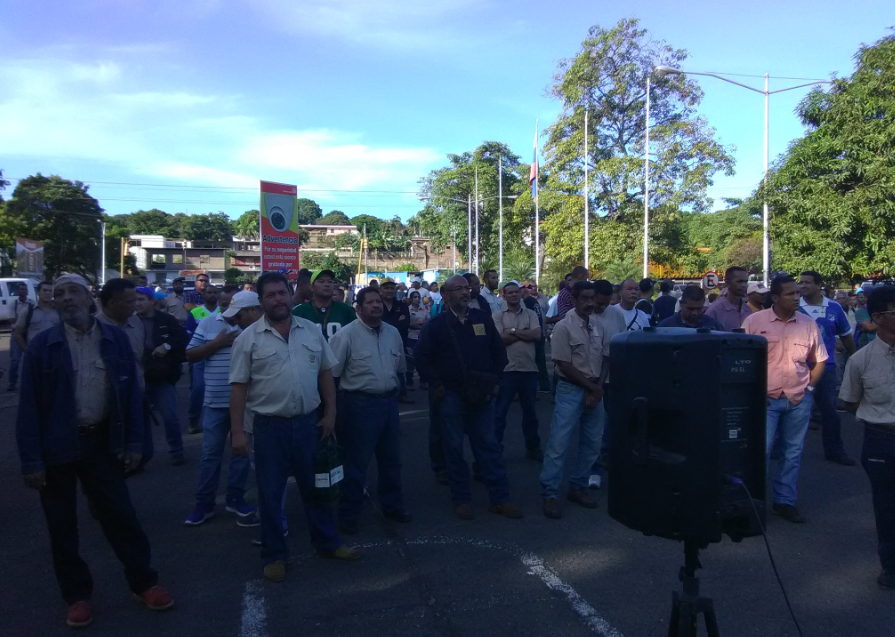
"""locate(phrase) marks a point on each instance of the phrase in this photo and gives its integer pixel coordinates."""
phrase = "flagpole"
(469, 232)
(537, 235)
(500, 199)
(477, 221)
(646, 189)
(586, 198)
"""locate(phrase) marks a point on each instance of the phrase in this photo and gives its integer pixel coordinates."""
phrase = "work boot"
(463, 511)
(582, 497)
(275, 571)
(551, 508)
(506, 509)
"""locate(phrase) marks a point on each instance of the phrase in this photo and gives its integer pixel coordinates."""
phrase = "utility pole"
(500, 199)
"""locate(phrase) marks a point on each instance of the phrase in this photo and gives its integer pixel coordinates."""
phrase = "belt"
(365, 394)
(86, 430)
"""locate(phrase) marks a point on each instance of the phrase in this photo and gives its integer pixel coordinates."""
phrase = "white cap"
(241, 301)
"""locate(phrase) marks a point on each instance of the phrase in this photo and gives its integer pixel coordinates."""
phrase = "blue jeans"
(163, 397)
(215, 430)
(15, 361)
(411, 344)
(525, 385)
(197, 391)
(370, 426)
(569, 414)
(477, 422)
(284, 447)
(825, 395)
(792, 423)
(878, 460)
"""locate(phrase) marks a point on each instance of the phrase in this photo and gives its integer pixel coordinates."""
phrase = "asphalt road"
(583, 575)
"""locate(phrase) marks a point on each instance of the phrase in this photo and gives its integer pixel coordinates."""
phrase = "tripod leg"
(711, 622)
(675, 616)
(687, 620)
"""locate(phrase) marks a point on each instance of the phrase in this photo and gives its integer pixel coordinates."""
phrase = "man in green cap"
(330, 315)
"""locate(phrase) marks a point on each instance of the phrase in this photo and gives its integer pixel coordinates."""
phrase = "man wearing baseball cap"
(322, 309)
(757, 294)
(211, 344)
(80, 409)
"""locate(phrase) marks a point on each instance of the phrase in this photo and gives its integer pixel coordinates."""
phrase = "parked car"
(9, 291)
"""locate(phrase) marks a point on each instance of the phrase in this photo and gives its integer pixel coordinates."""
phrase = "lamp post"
(662, 71)
(499, 197)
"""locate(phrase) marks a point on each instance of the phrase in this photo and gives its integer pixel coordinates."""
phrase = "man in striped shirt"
(211, 344)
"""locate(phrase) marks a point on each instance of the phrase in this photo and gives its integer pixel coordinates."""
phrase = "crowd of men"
(284, 371)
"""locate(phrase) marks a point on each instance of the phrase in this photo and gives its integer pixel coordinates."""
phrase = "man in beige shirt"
(520, 331)
(579, 348)
(280, 369)
(371, 358)
(868, 389)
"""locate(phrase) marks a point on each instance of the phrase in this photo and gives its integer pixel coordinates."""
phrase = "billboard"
(279, 228)
(30, 258)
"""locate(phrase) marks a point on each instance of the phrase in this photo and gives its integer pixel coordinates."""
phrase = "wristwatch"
(513, 331)
(809, 389)
(166, 346)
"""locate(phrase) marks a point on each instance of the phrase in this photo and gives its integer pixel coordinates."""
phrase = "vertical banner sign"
(30, 259)
(279, 228)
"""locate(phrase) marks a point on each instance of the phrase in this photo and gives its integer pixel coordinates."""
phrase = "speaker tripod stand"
(686, 607)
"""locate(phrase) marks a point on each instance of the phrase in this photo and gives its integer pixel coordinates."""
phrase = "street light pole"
(646, 189)
(469, 233)
(586, 199)
(500, 231)
(102, 266)
(766, 244)
(477, 244)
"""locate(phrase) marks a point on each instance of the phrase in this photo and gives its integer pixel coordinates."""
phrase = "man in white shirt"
(634, 319)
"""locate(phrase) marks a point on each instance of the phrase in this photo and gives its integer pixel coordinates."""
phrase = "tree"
(211, 227)
(334, 218)
(373, 223)
(328, 261)
(3, 184)
(152, 221)
(308, 211)
(232, 275)
(607, 81)
(247, 226)
(63, 215)
(832, 196)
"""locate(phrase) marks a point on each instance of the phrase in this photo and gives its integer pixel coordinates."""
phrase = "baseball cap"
(506, 283)
(241, 301)
(756, 287)
(318, 273)
(387, 281)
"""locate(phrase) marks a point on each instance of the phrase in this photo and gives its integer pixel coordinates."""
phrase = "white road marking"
(254, 611)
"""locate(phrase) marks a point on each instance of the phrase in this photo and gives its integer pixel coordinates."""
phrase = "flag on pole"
(533, 173)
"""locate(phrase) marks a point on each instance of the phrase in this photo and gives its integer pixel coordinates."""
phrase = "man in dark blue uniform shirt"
(692, 312)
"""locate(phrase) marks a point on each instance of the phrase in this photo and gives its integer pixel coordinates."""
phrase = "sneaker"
(248, 521)
(177, 460)
(534, 454)
(241, 509)
(343, 553)
(581, 497)
(275, 571)
(199, 515)
(194, 428)
(886, 579)
(789, 513)
(79, 614)
(595, 482)
(156, 598)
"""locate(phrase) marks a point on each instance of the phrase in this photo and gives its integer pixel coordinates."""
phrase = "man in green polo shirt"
(330, 315)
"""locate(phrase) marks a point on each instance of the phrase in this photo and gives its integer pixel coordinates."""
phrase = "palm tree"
(246, 227)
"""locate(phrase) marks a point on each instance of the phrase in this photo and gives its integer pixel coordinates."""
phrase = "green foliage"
(248, 225)
(832, 197)
(152, 221)
(406, 267)
(3, 184)
(308, 211)
(63, 215)
(210, 227)
(334, 218)
(328, 261)
(233, 275)
(374, 224)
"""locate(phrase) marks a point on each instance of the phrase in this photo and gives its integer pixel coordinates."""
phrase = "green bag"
(328, 471)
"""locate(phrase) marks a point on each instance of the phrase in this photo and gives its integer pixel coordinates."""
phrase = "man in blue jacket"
(80, 411)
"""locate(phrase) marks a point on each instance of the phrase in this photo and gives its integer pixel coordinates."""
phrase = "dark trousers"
(525, 385)
(598, 468)
(284, 447)
(102, 477)
(370, 426)
(436, 441)
(541, 362)
(411, 345)
(878, 460)
(197, 392)
(825, 399)
(477, 422)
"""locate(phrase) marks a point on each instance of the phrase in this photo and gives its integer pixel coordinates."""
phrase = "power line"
(772, 77)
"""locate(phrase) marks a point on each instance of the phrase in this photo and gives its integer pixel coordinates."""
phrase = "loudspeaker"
(686, 414)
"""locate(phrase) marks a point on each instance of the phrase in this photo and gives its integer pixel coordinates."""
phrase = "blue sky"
(201, 99)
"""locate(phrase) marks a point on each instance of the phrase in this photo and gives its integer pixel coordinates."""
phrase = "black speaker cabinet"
(686, 413)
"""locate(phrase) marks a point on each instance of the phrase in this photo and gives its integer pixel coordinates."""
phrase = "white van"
(9, 292)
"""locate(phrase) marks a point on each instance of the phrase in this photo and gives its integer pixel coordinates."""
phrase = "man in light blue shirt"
(211, 344)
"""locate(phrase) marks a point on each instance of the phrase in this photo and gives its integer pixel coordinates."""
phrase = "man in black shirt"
(397, 315)
(663, 308)
(645, 304)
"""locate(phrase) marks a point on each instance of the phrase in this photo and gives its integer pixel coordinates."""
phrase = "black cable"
(770, 555)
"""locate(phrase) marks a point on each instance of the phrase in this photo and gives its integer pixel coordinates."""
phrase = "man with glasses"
(461, 355)
(196, 298)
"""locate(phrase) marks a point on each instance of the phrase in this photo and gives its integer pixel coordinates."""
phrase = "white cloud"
(55, 110)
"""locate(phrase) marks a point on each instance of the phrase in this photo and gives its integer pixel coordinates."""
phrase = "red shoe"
(156, 598)
(79, 614)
